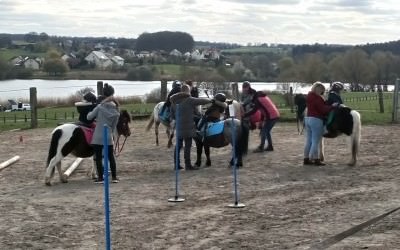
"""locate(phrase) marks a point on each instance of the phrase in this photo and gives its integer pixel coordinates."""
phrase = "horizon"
(295, 22)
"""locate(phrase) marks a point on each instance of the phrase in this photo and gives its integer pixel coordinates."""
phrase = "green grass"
(51, 116)
(7, 54)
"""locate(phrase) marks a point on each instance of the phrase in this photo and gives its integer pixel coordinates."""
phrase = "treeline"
(165, 40)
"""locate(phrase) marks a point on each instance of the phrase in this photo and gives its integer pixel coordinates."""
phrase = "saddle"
(88, 132)
(213, 133)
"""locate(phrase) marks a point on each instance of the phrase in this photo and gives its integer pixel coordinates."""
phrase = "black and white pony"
(70, 138)
(224, 138)
(156, 120)
(345, 121)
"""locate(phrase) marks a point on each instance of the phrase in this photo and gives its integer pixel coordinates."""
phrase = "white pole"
(9, 162)
(73, 166)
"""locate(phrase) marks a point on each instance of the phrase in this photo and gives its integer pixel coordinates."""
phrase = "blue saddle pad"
(165, 115)
(214, 128)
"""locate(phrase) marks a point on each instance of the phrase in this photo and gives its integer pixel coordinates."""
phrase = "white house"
(99, 59)
(176, 53)
(196, 55)
(118, 60)
(31, 63)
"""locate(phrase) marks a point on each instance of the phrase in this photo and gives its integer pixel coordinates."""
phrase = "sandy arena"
(288, 205)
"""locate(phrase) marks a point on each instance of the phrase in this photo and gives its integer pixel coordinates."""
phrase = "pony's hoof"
(351, 164)
(48, 183)
(208, 163)
(197, 164)
(169, 145)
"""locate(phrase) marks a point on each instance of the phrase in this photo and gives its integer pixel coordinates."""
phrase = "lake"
(19, 89)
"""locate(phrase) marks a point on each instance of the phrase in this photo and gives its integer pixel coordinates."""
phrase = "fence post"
(164, 90)
(291, 99)
(99, 88)
(395, 100)
(33, 103)
(380, 97)
(235, 91)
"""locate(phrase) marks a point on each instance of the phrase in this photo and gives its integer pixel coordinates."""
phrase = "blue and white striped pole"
(106, 188)
(177, 158)
(234, 160)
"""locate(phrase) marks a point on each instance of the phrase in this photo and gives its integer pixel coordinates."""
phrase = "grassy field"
(366, 103)
(7, 54)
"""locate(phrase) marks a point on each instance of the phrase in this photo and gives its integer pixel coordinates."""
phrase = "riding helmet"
(108, 90)
(90, 97)
(337, 86)
(176, 84)
(220, 97)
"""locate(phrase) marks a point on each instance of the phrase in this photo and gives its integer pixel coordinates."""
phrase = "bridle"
(126, 133)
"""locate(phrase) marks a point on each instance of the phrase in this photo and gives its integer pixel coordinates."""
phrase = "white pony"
(155, 119)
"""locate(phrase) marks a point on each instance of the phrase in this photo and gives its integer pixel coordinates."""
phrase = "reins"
(118, 148)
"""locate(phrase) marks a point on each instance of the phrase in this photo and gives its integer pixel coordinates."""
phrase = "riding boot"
(269, 148)
(307, 161)
(318, 162)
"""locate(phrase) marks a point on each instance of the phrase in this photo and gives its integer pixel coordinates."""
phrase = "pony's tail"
(53, 145)
(244, 138)
(355, 137)
(151, 122)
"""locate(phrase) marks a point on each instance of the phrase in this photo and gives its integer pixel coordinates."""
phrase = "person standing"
(247, 96)
(270, 115)
(106, 114)
(317, 110)
(185, 125)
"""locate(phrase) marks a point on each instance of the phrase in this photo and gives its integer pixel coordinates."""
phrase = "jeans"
(266, 132)
(98, 153)
(314, 131)
(186, 152)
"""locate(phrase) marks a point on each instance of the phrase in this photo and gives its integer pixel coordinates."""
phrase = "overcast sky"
(232, 21)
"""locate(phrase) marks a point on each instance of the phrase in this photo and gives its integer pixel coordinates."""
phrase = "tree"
(55, 67)
(287, 70)
(358, 68)
(312, 68)
(165, 40)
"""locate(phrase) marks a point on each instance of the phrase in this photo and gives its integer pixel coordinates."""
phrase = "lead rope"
(118, 148)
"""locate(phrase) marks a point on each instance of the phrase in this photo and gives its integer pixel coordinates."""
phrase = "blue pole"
(234, 161)
(177, 157)
(106, 188)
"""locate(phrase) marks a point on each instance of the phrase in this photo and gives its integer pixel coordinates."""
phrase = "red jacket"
(316, 106)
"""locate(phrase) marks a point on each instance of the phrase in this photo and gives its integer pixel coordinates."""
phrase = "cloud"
(266, 2)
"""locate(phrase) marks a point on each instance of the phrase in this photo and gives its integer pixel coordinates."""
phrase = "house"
(176, 53)
(118, 60)
(196, 55)
(143, 54)
(31, 63)
(99, 59)
(16, 61)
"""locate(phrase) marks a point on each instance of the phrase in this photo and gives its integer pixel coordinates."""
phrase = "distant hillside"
(393, 46)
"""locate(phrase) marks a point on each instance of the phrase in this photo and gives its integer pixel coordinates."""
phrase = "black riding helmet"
(176, 84)
(90, 97)
(337, 86)
(220, 97)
